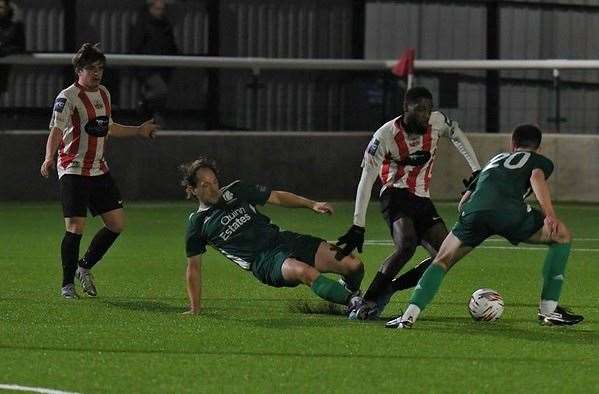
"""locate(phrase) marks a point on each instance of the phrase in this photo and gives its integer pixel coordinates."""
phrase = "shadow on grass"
(145, 306)
(575, 335)
(310, 307)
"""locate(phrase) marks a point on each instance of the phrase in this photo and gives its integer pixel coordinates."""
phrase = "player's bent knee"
(75, 226)
(308, 274)
(353, 264)
(407, 241)
(116, 227)
(296, 271)
(564, 235)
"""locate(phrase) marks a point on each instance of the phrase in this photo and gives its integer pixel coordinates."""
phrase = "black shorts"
(400, 203)
(98, 193)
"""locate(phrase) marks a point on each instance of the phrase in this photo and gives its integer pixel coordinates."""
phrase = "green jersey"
(505, 181)
(233, 226)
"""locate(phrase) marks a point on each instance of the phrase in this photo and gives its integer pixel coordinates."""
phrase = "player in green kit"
(494, 204)
(227, 220)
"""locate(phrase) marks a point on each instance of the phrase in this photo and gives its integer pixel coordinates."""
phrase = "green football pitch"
(252, 338)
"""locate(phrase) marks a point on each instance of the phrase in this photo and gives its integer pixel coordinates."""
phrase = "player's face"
(417, 115)
(207, 187)
(3, 9)
(158, 9)
(91, 75)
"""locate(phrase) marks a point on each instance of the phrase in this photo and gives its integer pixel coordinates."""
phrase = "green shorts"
(268, 265)
(516, 225)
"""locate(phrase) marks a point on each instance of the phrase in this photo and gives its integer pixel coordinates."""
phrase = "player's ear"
(190, 192)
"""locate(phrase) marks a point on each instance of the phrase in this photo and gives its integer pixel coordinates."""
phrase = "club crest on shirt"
(98, 104)
(228, 196)
(412, 142)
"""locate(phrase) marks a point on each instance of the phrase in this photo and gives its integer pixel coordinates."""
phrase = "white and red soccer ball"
(485, 305)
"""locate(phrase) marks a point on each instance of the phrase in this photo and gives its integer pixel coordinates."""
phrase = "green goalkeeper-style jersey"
(505, 181)
(233, 226)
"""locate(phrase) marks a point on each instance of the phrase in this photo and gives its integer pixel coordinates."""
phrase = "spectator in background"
(12, 37)
(153, 35)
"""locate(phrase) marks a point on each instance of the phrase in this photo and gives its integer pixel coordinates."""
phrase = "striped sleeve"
(451, 129)
(373, 159)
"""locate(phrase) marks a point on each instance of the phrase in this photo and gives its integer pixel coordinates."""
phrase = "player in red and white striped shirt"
(402, 154)
(81, 123)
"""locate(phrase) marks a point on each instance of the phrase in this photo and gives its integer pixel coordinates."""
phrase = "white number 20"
(515, 160)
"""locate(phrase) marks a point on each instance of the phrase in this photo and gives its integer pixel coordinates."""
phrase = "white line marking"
(33, 389)
(573, 239)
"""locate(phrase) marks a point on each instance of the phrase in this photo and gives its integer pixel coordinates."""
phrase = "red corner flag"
(405, 66)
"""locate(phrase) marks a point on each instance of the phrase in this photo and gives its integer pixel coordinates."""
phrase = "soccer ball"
(486, 305)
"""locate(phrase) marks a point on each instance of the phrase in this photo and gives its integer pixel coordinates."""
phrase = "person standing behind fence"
(153, 35)
(81, 122)
(12, 38)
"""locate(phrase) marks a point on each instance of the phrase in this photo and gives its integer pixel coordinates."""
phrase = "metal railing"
(256, 64)
(260, 63)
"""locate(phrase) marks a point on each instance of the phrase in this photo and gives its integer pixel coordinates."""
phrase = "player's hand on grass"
(148, 129)
(47, 165)
(323, 207)
(352, 239)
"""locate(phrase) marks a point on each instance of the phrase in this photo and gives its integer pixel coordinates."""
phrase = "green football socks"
(553, 271)
(427, 286)
(331, 290)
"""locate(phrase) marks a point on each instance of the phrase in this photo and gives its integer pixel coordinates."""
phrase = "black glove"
(471, 180)
(418, 158)
(352, 239)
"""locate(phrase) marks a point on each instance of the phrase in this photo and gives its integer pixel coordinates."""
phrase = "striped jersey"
(84, 118)
(391, 144)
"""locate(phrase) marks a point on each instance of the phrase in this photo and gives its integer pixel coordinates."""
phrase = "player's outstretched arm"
(51, 146)
(194, 284)
(147, 129)
(290, 200)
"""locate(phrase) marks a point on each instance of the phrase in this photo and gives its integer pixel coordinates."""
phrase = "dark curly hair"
(88, 54)
(190, 169)
(416, 93)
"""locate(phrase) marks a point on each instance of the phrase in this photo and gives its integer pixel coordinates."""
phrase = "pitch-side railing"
(256, 64)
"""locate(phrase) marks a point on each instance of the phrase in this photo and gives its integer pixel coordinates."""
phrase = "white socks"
(411, 313)
(547, 306)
